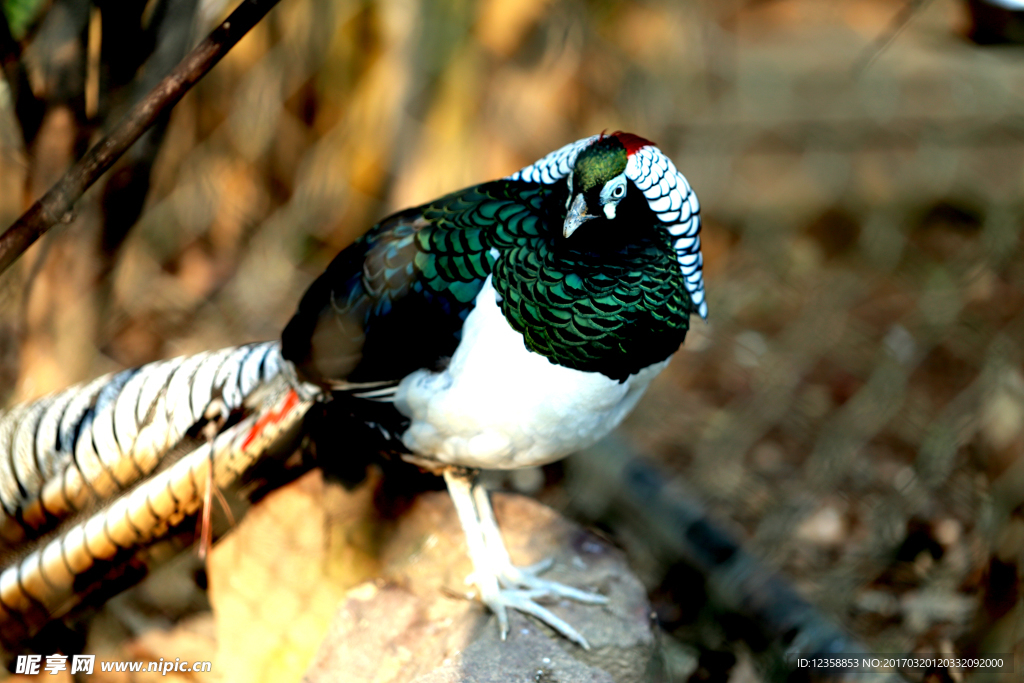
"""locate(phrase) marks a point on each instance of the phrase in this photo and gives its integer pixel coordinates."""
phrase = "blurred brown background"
(854, 408)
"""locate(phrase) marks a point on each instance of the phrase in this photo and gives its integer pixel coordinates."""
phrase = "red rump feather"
(631, 142)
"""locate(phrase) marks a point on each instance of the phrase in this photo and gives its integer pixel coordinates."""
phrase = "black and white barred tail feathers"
(91, 442)
(46, 581)
(91, 475)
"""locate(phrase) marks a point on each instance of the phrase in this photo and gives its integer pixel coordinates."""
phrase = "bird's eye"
(619, 191)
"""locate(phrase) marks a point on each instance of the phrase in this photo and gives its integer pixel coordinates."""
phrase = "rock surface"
(415, 624)
(276, 580)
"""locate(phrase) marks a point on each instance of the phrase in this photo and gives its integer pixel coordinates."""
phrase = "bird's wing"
(395, 300)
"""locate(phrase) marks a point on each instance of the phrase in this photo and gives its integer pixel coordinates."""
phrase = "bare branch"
(882, 42)
(57, 203)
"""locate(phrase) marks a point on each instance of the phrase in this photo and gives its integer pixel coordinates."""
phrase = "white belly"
(501, 406)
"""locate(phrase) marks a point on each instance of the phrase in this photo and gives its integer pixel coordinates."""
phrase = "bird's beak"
(577, 216)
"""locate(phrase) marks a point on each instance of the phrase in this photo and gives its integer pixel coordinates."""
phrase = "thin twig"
(882, 42)
(57, 203)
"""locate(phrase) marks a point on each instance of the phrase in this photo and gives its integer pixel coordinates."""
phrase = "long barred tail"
(76, 469)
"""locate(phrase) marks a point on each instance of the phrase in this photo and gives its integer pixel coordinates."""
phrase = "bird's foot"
(502, 585)
(528, 578)
(520, 587)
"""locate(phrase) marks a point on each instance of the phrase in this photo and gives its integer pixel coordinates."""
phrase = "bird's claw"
(501, 584)
(526, 578)
(523, 600)
(538, 568)
(519, 588)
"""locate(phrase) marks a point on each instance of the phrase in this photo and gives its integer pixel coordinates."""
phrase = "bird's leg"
(501, 584)
(460, 488)
(523, 577)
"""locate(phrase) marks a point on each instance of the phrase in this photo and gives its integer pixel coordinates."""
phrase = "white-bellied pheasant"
(501, 326)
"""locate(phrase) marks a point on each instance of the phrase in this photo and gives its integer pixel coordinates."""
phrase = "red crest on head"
(631, 142)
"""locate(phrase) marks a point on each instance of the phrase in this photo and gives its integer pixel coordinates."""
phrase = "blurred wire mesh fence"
(855, 406)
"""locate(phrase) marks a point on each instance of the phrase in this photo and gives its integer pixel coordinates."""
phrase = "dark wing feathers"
(396, 299)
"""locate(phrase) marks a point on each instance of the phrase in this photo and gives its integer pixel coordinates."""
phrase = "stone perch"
(414, 624)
